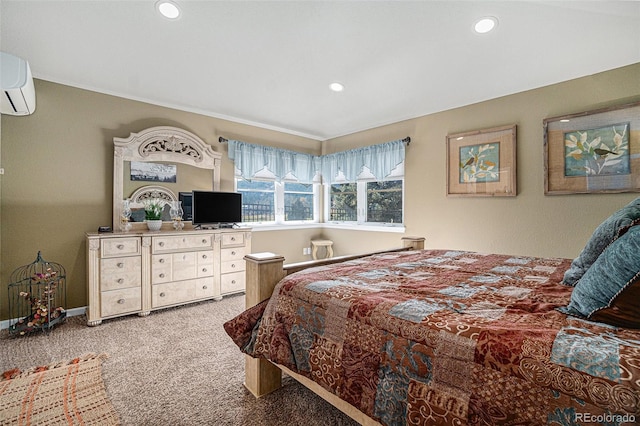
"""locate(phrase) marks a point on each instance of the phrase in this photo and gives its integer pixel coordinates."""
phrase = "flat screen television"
(213, 208)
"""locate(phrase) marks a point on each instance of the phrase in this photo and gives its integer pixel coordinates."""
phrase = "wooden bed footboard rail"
(263, 272)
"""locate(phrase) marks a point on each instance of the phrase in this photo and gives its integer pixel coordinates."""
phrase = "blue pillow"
(608, 231)
(608, 292)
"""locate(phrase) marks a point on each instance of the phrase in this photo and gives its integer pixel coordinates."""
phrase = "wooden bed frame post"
(263, 272)
(416, 243)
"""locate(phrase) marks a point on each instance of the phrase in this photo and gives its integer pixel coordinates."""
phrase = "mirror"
(146, 164)
(174, 177)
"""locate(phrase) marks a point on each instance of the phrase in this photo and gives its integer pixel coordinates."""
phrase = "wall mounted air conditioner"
(18, 92)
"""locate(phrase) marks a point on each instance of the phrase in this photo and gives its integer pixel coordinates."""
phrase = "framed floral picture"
(482, 163)
(594, 151)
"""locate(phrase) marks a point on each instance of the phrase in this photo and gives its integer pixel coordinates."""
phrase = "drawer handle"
(120, 301)
(204, 256)
(161, 261)
(233, 253)
(120, 265)
(204, 241)
(233, 238)
(162, 294)
(161, 275)
(233, 281)
(233, 265)
(161, 244)
(120, 246)
(204, 287)
(120, 280)
(204, 269)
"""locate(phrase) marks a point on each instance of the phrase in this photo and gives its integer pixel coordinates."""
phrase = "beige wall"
(529, 224)
(59, 165)
(59, 173)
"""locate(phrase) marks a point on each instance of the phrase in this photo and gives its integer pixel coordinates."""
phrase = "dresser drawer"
(114, 247)
(204, 270)
(173, 293)
(236, 253)
(205, 257)
(232, 266)
(117, 302)
(232, 239)
(180, 243)
(232, 283)
(120, 272)
(161, 267)
(205, 288)
(184, 266)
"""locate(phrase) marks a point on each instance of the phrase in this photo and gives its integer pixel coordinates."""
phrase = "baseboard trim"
(73, 312)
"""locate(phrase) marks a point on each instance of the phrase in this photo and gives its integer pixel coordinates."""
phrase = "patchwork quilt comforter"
(440, 337)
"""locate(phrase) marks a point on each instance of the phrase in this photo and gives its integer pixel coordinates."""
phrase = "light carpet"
(174, 367)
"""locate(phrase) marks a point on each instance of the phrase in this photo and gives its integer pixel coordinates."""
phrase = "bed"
(449, 337)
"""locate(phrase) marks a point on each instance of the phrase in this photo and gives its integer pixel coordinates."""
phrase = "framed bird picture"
(482, 163)
(593, 152)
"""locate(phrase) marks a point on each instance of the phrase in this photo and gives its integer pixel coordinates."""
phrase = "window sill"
(371, 228)
(255, 227)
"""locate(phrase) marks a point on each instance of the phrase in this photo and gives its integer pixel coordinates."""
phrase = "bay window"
(363, 186)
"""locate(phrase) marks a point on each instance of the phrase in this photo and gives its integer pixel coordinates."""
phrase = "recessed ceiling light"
(336, 87)
(485, 25)
(168, 9)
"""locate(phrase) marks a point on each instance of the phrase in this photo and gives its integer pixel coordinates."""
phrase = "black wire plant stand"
(37, 296)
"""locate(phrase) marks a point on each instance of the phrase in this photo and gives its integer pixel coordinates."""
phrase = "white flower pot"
(154, 225)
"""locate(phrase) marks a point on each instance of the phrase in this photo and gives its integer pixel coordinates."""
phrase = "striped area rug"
(65, 393)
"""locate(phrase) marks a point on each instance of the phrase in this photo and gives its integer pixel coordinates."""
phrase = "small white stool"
(315, 244)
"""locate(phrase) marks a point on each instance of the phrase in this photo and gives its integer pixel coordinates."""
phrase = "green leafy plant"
(153, 209)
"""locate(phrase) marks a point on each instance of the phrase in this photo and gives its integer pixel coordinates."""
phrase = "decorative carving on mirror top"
(167, 144)
(150, 192)
(172, 144)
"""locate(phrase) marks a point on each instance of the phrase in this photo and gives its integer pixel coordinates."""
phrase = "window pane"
(298, 187)
(344, 202)
(298, 206)
(257, 200)
(384, 201)
(298, 201)
(256, 185)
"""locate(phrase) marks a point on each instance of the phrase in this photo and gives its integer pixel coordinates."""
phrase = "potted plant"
(153, 208)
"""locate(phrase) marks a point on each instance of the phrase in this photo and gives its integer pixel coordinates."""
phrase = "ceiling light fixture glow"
(485, 24)
(336, 87)
(168, 9)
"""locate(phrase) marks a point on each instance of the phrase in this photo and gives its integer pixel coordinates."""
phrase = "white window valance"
(380, 160)
(251, 159)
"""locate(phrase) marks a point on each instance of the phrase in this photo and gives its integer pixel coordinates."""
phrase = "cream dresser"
(137, 272)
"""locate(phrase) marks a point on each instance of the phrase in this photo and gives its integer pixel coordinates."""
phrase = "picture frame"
(595, 151)
(482, 163)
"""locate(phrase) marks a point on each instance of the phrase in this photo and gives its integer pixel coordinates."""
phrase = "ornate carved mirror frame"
(164, 143)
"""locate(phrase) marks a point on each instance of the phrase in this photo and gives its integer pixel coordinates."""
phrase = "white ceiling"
(270, 63)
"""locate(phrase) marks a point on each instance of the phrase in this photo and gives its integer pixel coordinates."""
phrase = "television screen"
(212, 208)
